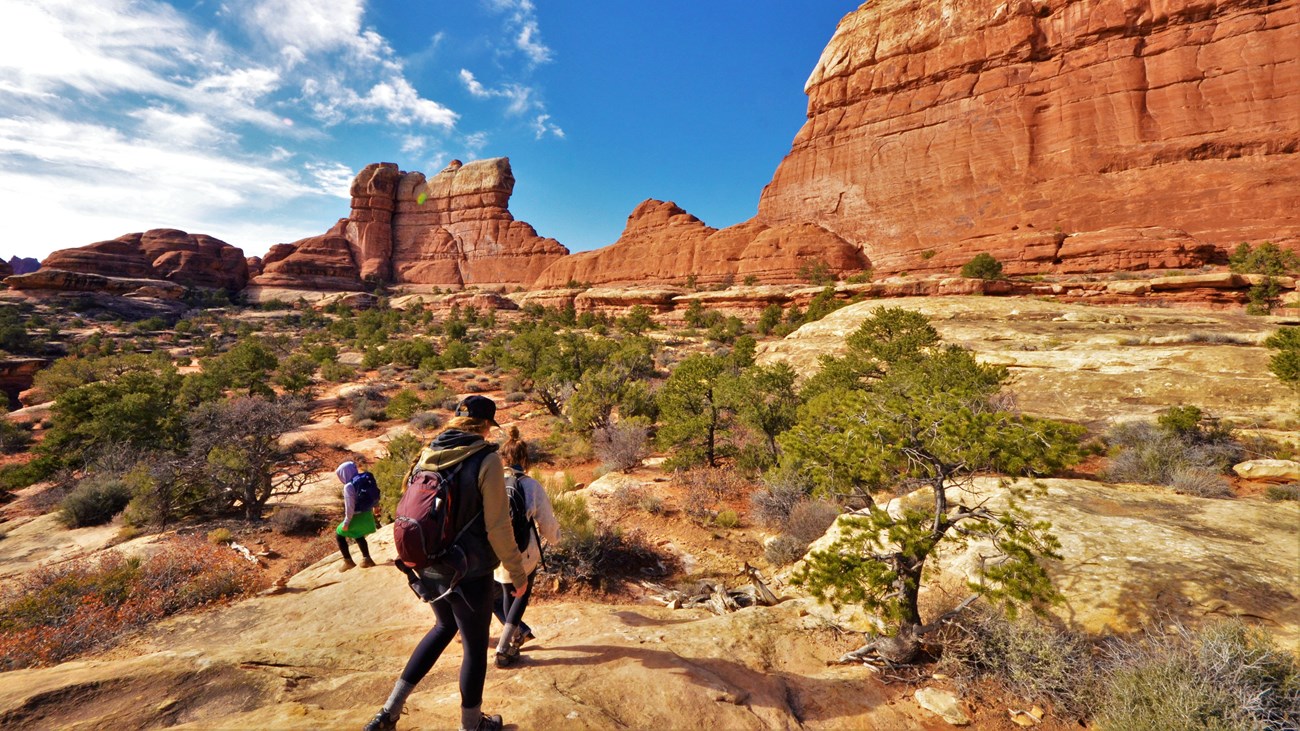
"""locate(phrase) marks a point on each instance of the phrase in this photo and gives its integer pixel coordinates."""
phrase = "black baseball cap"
(478, 407)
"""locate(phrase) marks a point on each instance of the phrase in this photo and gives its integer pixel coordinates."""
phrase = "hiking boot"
(366, 563)
(382, 722)
(507, 658)
(486, 723)
(525, 637)
(348, 565)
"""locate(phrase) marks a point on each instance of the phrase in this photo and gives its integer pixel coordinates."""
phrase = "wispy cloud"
(522, 28)
(520, 97)
(542, 126)
(333, 178)
(74, 173)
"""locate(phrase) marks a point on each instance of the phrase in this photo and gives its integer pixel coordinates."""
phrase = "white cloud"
(474, 143)
(164, 125)
(403, 103)
(97, 182)
(542, 126)
(520, 97)
(307, 25)
(521, 25)
(527, 42)
(412, 145)
(333, 178)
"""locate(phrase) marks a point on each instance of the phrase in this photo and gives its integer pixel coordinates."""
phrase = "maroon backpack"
(424, 529)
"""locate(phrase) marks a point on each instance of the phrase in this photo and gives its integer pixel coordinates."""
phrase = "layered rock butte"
(1058, 135)
(461, 234)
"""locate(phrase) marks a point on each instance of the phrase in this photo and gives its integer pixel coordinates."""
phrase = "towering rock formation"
(1058, 135)
(1069, 135)
(451, 230)
(190, 260)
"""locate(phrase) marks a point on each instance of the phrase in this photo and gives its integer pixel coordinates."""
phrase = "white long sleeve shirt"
(541, 512)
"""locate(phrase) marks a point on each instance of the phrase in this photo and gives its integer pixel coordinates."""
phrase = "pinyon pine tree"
(912, 414)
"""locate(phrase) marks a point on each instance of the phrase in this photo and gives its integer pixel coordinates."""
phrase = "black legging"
(508, 608)
(343, 547)
(469, 611)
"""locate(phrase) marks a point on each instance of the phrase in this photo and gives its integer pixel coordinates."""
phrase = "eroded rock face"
(462, 234)
(663, 243)
(191, 260)
(1099, 135)
(322, 262)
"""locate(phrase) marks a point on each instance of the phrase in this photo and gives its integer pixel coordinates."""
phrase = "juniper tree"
(693, 411)
(927, 418)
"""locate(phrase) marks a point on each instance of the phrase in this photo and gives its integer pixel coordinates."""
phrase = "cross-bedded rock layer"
(1070, 135)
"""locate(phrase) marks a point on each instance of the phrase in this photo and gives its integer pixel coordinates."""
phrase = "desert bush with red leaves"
(58, 612)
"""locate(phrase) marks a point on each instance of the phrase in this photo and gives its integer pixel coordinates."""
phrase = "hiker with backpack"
(532, 518)
(360, 496)
(452, 529)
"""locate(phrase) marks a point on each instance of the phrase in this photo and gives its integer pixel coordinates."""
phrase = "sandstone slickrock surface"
(191, 260)
(462, 234)
(1096, 135)
(1086, 363)
(1134, 552)
(288, 662)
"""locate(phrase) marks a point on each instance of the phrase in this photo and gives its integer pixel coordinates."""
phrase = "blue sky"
(247, 119)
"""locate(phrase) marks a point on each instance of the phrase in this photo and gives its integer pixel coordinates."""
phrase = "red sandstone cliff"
(1058, 135)
(1069, 135)
(462, 234)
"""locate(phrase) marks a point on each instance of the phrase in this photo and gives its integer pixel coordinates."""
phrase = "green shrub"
(403, 404)
(220, 536)
(13, 437)
(727, 519)
(390, 472)
(983, 266)
(1268, 258)
(1183, 442)
(94, 502)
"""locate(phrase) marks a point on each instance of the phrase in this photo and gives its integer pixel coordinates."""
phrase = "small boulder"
(943, 704)
(1269, 470)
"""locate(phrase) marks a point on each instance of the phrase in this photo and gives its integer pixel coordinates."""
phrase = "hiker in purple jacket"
(357, 523)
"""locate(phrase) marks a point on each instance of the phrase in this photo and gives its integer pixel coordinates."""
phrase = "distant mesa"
(166, 260)
(22, 265)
